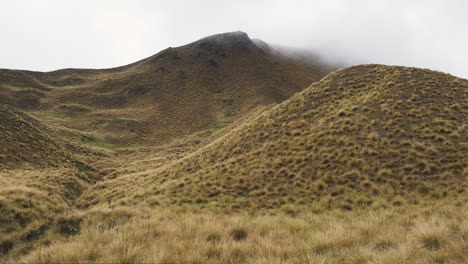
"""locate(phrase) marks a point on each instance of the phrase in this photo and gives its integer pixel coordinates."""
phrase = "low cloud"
(51, 34)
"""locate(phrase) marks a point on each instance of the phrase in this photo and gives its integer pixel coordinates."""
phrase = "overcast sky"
(47, 35)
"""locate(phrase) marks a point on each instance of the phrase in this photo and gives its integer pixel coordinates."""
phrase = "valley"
(227, 151)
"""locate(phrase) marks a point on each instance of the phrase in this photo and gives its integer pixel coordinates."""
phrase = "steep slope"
(56, 128)
(24, 143)
(203, 85)
(364, 136)
(38, 177)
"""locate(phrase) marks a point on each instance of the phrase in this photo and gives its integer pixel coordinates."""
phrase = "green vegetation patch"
(57, 115)
(90, 139)
(116, 120)
(226, 102)
(230, 113)
(220, 126)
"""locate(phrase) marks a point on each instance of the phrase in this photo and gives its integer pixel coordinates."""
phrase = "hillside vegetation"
(411, 235)
(24, 142)
(366, 136)
(226, 150)
(206, 84)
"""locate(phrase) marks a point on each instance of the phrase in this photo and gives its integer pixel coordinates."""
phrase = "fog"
(47, 35)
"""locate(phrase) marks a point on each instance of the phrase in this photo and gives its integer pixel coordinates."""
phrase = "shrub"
(69, 225)
(384, 173)
(384, 245)
(213, 237)
(238, 233)
(431, 242)
(6, 245)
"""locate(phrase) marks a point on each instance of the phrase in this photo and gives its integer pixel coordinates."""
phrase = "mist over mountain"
(48, 35)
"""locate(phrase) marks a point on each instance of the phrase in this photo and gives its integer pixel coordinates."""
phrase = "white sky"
(47, 35)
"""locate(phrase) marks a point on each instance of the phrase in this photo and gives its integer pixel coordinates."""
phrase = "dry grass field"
(409, 234)
(224, 151)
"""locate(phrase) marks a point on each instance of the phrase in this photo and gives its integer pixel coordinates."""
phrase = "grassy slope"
(39, 178)
(364, 136)
(24, 142)
(412, 235)
(54, 125)
(366, 147)
(327, 126)
(203, 85)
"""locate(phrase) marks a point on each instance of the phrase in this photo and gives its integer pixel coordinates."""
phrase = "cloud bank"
(47, 35)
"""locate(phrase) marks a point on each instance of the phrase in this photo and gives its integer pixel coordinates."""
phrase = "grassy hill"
(26, 142)
(366, 136)
(226, 150)
(39, 178)
(206, 84)
(61, 131)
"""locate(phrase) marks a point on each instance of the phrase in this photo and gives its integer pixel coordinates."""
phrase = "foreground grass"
(438, 234)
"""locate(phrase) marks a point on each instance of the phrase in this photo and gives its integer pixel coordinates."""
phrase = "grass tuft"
(238, 234)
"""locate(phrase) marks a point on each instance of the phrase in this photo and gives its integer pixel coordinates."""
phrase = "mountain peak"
(237, 40)
(231, 36)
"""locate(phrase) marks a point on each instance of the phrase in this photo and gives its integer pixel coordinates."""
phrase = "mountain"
(365, 136)
(204, 85)
(227, 149)
(62, 131)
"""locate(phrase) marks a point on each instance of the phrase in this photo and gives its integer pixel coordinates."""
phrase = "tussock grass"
(30, 199)
(24, 143)
(172, 94)
(368, 165)
(368, 136)
(396, 235)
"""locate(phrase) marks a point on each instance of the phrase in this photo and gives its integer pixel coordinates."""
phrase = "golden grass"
(30, 200)
(25, 143)
(437, 234)
(172, 94)
(366, 136)
(368, 165)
